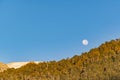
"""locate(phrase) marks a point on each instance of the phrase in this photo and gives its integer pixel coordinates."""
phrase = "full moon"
(85, 42)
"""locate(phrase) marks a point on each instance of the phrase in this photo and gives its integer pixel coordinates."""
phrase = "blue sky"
(37, 30)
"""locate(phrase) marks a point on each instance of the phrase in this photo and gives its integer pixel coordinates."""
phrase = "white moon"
(85, 42)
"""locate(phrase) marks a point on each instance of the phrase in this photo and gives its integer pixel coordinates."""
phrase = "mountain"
(102, 63)
(19, 64)
(14, 65)
(3, 67)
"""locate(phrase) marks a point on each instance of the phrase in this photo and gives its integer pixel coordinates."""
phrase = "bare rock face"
(3, 67)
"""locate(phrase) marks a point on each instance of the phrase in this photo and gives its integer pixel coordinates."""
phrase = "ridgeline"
(102, 63)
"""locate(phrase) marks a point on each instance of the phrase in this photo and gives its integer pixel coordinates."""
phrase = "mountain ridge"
(3, 67)
(20, 64)
(101, 63)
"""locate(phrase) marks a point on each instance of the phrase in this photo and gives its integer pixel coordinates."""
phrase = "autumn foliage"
(102, 63)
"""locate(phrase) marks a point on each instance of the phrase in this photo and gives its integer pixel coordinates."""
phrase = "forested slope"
(102, 63)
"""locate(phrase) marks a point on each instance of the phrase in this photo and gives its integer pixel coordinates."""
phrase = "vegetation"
(102, 63)
(3, 67)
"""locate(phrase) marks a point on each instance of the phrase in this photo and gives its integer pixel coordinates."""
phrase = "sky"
(44, 30)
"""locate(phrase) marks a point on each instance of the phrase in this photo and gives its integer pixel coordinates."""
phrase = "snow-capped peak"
(19, 64)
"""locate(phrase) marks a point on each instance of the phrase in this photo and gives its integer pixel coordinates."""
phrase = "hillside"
(3, 67)
(19, 64)
(102, 63)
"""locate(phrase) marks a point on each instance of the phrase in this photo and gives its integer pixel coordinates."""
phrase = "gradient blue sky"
(42, 30)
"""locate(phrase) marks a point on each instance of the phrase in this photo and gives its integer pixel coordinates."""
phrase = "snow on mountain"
(19, 64)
